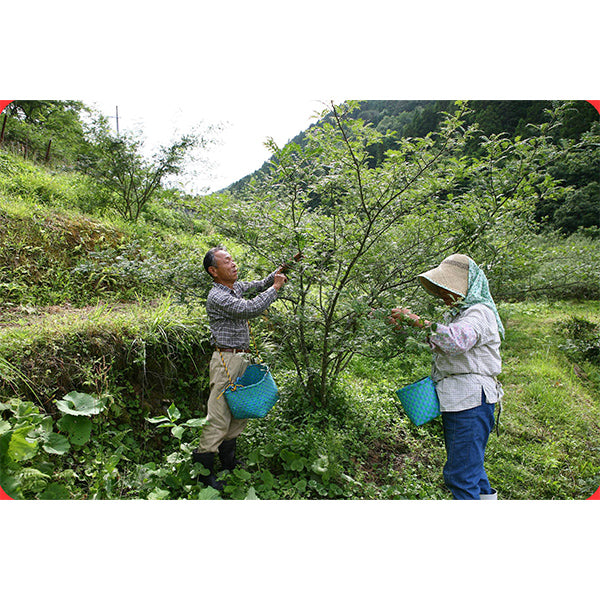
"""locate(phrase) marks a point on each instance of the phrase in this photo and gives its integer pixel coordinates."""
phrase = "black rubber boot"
(207, 460)
(227, 454)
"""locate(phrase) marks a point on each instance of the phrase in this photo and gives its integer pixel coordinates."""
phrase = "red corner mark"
(595, 104)
(4, 104)
(595, 496)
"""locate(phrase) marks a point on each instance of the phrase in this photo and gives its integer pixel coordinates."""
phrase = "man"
(228, 313)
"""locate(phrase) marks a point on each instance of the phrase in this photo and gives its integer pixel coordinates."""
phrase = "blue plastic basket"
(253, 395)
(420, 401)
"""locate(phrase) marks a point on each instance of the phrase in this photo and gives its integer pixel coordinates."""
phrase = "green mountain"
(580, 206)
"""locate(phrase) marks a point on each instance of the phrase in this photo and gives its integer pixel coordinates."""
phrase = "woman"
(466, 351)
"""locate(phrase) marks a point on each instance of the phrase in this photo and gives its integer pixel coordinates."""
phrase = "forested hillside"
(104, 341)
(577, 208)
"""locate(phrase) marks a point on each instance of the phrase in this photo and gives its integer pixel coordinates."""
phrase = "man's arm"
(240, 308)
(259, 285)
(274, 279)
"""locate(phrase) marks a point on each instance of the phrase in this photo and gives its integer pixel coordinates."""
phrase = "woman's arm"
(455, 338)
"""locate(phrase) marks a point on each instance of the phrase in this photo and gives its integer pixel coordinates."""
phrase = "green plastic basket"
(253, 395)
(420, 401)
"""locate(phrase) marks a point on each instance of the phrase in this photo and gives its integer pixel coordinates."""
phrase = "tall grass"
(138, 353)
(550, 434)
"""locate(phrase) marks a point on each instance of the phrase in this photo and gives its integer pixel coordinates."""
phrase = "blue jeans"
(466, 434)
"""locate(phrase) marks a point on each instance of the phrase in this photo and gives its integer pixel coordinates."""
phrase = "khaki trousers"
(220, 424)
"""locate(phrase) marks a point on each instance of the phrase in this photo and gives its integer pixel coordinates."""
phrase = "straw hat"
(452, 274)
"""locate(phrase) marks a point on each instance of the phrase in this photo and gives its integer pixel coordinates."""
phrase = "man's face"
(225, 270)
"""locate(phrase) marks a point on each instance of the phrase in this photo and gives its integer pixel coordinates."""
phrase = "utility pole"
(116, 118)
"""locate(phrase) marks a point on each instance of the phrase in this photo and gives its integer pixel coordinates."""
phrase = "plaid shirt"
(228, 312)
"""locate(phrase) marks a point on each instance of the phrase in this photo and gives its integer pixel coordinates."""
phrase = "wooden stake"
(3, 128)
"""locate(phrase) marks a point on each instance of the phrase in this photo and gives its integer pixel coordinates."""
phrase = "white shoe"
(492, 496)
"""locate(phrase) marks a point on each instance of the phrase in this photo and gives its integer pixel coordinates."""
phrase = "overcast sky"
(244, 127)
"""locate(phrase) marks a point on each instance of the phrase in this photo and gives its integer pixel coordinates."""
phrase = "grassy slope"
(549, 445)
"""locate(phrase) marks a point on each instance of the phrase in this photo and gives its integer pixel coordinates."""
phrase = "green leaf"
(300, 485)
(268, 479)
(177, 431)
(294, 462)
(158, 494)
(10, 485)
(298, 464)
(208, 493)
(242, 474)
(198, 469)
(251, 495)
(47, 424)
(4, 442)
(173, 412)
(350, 479)
(56, 444)
(173, 458)
(78, 428)
(56, 491)
(76, 403)
(157, 419)
(320, 465)
(252, 458)
(268, 451)
(196, 422)
(33, 480)
(20, 448)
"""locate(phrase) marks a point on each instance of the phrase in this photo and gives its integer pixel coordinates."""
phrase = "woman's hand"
(402, 314)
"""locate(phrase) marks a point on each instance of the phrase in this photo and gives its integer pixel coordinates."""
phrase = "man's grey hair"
(209, 258)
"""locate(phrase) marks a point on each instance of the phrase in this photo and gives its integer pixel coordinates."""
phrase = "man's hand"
(285, 266)
(280, 279)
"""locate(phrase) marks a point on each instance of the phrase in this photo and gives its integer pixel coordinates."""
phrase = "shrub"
(550, 267)
(582, 339)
